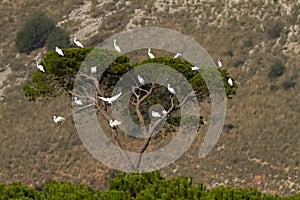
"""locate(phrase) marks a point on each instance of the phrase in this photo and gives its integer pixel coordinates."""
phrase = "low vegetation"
(39, 30)
(133, 186)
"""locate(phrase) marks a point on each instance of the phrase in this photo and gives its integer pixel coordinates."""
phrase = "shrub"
(274, 88)
(274, 28)
(34, 32)
(276, 70)
(288, 84)
(58, 37)
(238, 62)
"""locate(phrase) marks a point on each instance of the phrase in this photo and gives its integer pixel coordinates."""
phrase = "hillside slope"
(259, 146)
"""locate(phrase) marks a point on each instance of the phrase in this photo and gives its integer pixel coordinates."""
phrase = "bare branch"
(184, 99)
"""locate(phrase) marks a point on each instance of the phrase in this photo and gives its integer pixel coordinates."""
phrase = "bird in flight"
(78, 43)
(114, 123)
(59, 51)
(111, 99)
(117, 48)
(150, 54)
(40, 67)
(57, 119)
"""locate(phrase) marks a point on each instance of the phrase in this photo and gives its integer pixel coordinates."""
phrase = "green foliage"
(59, 74)
(274, 28)
(276, 70)
(195, 78)
(58, 37)
(134, 186)
(34, 32)
(288, 84)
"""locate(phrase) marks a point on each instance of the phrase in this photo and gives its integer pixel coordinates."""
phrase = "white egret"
(59, 51)
(57, 119)
(78, 101)
(114, 123)
(94, 70)
(150, 54)
(111, 99)
(164, 112)
(78, 43)
(40, 67)
(171, 89)
(230, 82)
(155, 114)
(141, 80)
(195, 68)
(220, 63)
(117, 48)
(177, 55)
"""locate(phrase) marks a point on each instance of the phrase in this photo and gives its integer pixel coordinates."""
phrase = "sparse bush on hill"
(293, 19)
(34, 32)
(273, 88)
(288, 84)
(274, 28)
(276, 70)
(58, 37)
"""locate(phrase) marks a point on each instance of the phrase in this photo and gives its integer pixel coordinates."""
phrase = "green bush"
(58, 37)
(134, 186)
(276, 70)
(34, 32)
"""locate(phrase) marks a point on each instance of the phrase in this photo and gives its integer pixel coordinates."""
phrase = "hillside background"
(260, 143)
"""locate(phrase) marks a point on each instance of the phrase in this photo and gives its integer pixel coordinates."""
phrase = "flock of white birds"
(114, 123)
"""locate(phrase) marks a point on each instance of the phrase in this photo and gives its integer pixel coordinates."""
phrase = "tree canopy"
(61, 72)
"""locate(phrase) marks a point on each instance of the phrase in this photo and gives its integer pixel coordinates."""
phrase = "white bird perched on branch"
(177, 55)
(195, 68)
(40, 67)
(230, 82)
(164, 112)
(220, 63)
(117, 48)
(59, 51)
(155, 114)
(111, 99)
(171, 89)
(78, 43)
(78, 101)
(114, 123)
(94, 70)
(57, 119)
(150, 54)
(141, 80)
